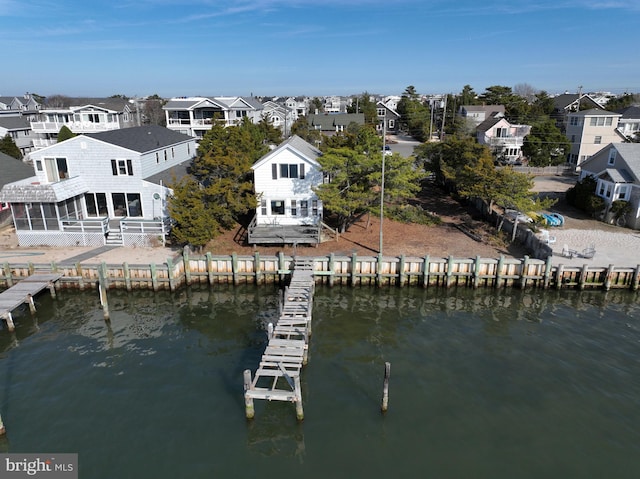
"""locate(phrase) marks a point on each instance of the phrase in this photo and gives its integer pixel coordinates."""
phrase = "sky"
(303, 47)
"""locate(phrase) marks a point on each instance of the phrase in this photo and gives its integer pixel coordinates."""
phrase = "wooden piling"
(270, 331)
(154, 277)
(298, 393)
(499, 270)
(256, 267)
(524, 272)
(248, 401)
(331, 269)
(52, 289)
(3, 431)
(9, 319)
(547, 273)
(187, 264)
(476, 273)
(385, 387)
(379, 271)
(172, 283)
(607, 280)
(636, 279)
(29, 301)
(234, 268)
(102, 289)
(80, 277)
(449, 272)
(354, 263)
(209, 261)
(425, 271)
(559, 276)
(7, 275)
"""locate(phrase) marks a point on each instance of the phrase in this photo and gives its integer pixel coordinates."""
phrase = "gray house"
(103, 188)
(12, 170)
(616, 168)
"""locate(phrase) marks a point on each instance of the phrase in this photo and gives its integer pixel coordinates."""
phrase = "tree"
(415, 116)
(316, 105)
(9, 147)
(301, 128)
(545, 145)
(152, 112)
(467, 96)
(220, 190)
(58, 101)
(525, 91)
(516, 108)
(65, 133)
(368, 107)
(355, 178)
(623, 101)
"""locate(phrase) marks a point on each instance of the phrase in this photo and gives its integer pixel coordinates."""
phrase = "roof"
(115, 104)
(30, 190)
(489, 123)
(167, 176)
(329, 121)
(296, 143)
(14, 123)
(142, 138)
(632, 112)
(594, 112)
(627, 164)
(13, 170)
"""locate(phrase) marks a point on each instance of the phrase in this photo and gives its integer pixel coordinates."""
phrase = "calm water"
(484, 384)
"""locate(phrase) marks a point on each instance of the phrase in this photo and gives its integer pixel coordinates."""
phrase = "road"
(404, 146)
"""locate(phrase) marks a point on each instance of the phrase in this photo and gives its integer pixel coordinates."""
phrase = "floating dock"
(23, 292)
(278, 375)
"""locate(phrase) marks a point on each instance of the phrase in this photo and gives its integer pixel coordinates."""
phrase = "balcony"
(75, 126)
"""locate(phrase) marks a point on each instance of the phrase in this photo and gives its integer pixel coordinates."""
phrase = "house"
(23, 104)
(588, 130)
(83, 115)
(629, 122)
(388, 119)
(12, 170)
(504, 139)
(288, 211)
(616, 167)
(19, 129)
(279, 116)
(330, 124)
(194, 116)
(101, 188)
(476, 114)
(568, 103)
(299, 105)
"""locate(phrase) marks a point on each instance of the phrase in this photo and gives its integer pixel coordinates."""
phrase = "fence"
(184, 269)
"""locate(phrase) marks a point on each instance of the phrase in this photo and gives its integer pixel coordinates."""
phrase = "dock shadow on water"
(485, 384)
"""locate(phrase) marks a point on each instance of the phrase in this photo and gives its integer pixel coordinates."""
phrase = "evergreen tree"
(65, 133)
(9, 147)
(545, 145)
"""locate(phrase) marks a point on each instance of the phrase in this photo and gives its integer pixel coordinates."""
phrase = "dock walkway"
(278, 375)
(23, 292)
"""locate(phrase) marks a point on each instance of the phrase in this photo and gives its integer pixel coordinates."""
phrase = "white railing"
(97, 225)
(75, 126)
(41, 143)
(505, 141)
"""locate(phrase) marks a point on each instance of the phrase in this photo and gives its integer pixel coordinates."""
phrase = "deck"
(283, 234)
(23, 292)
(278, 375)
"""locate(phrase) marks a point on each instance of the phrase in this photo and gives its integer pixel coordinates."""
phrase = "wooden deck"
(283, 234)
(278, 375)
(23, 292)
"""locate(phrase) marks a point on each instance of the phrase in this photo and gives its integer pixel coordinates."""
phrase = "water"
(484, 384)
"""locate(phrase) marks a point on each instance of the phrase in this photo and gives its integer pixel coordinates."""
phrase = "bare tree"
(526, 91)
(58, 101)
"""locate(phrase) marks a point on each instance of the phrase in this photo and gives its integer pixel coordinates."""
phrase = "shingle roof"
(488, 124)
(328, 122)
(594, 111)
(142, 138)
(629, 112)
(13, 170)
(14, 123)
(304, 148)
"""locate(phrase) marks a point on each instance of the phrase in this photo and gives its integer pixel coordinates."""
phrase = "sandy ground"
(613, 245)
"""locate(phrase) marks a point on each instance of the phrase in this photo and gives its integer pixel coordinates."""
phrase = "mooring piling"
(385, 387)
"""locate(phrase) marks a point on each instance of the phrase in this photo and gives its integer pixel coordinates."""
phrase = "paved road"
(404, 145)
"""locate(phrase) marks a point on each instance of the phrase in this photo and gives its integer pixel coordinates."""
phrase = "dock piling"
(248, 400)
(3, 431)
(385, 387)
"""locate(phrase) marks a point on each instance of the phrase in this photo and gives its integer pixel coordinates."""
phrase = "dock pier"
(278, 375)
(23, 292)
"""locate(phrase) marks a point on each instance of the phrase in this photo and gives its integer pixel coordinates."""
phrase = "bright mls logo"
(48, 466)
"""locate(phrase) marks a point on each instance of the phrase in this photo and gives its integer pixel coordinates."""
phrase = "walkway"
(278, 375)
(23, 292)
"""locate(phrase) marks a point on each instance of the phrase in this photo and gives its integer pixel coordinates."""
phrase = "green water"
(484, 384)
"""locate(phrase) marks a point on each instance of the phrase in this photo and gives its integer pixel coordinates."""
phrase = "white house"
(288, 209)
(102, 188)
(616, 167)
(194, 116)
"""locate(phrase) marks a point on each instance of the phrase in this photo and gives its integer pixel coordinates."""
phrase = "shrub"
(412, 214)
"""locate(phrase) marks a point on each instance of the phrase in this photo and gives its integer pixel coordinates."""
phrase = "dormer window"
(612, 156)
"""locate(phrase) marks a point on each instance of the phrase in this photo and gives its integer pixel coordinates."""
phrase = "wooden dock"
(278, 375)
(23, 292)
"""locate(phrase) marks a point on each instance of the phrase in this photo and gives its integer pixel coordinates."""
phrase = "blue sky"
(305, 47)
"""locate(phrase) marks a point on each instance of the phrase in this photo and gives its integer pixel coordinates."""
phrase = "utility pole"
(384, 139)
(579, 96)
(444, 117)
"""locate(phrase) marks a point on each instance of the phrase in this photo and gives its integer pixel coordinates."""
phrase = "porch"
(283, 234)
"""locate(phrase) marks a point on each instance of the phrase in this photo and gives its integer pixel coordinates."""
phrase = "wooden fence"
(332, 270)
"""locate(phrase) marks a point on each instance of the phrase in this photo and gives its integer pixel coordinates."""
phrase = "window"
(304, 208)
(573, 121)
(56, 169)
(157, 157)
(241, 114)
(597, 140)
(122, 167)
(381, 111)
(277, 207)
(288, 171)
(92, 117)
(314, 207)
(38, 165)
(165, 155)
(96, 204)
(392, 124)
(623, 192)
(263, 207)
(294, 209)
(126, 204)
(573, 138)
(612, 156)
